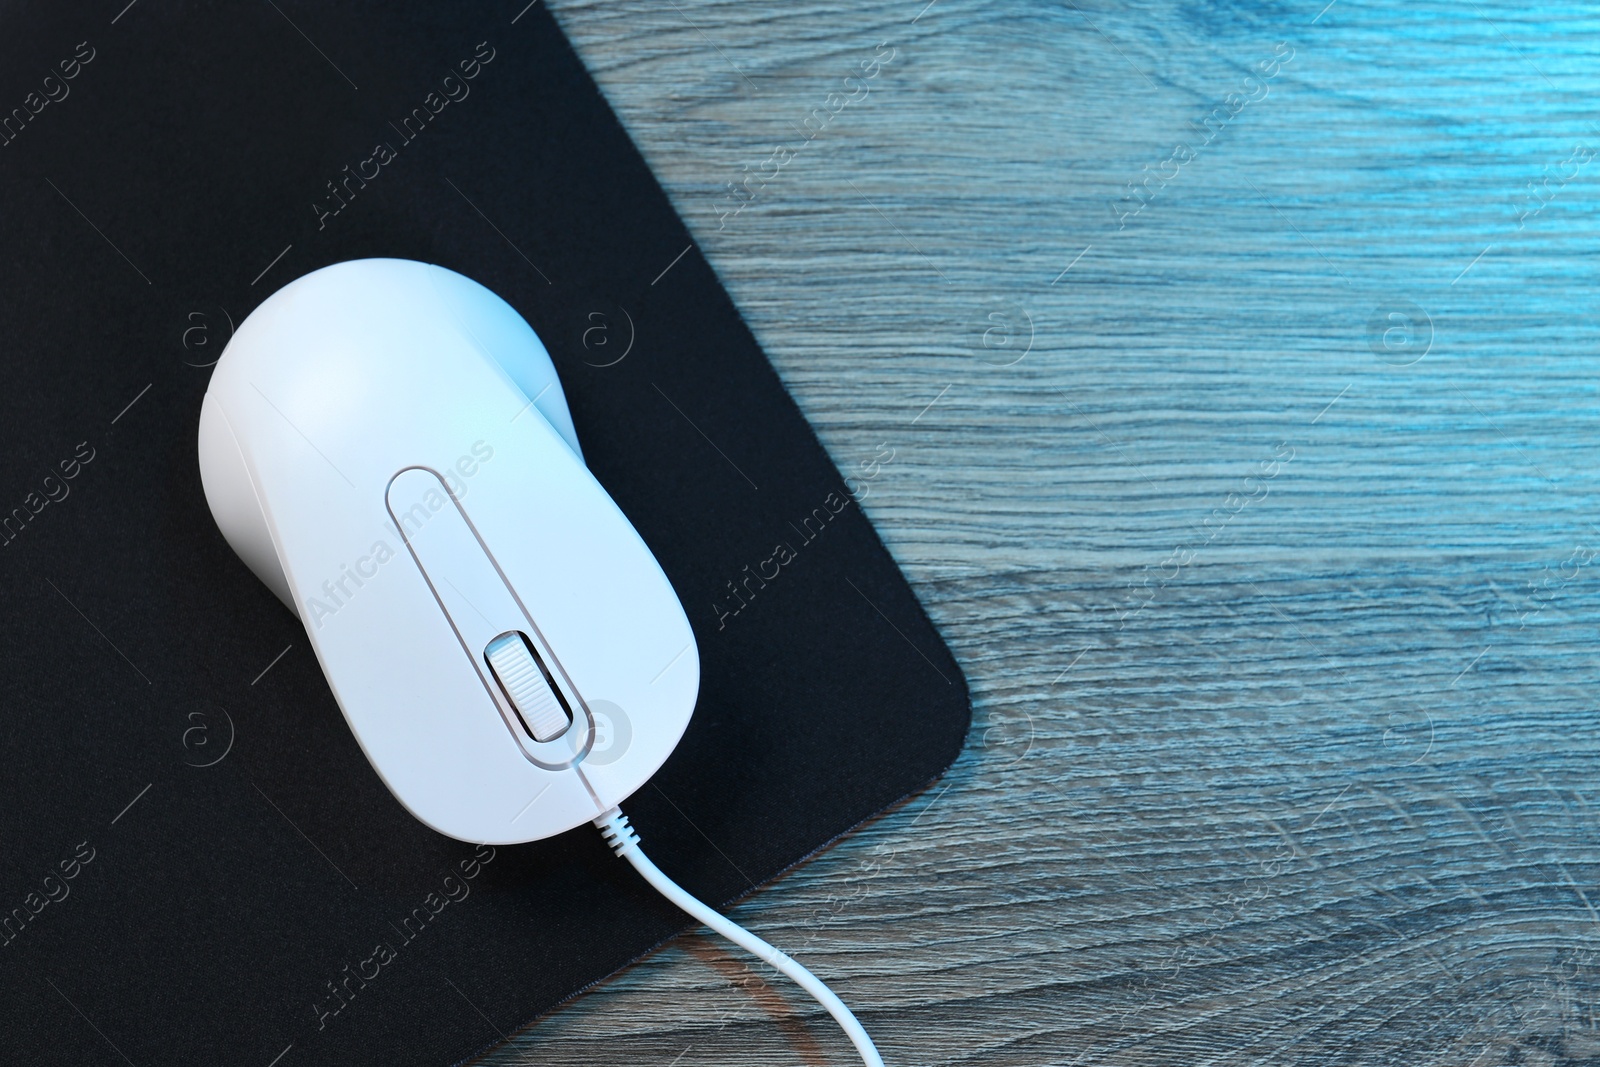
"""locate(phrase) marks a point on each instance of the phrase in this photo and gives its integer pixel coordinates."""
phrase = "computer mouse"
(386, 444)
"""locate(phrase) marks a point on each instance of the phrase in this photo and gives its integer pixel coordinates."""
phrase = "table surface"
(1223, 377)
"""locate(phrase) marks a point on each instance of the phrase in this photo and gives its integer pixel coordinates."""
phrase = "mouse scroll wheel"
(527, 684)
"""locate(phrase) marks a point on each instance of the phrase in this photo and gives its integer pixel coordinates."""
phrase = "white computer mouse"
(386, 445)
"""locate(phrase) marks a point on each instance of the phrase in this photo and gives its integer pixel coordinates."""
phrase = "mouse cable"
(620, 835)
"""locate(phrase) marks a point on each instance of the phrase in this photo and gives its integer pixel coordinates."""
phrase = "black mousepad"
(197, 864)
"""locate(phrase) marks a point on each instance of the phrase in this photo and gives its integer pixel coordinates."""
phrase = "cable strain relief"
(617, 831)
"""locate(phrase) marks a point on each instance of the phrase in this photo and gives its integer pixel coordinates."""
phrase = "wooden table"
(1229, 377)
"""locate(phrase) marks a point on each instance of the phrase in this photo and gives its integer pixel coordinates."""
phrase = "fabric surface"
(197, 863)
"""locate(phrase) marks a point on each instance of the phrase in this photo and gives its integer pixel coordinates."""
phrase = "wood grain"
(1279, 612)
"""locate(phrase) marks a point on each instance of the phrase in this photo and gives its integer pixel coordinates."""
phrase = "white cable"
(620, 835)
